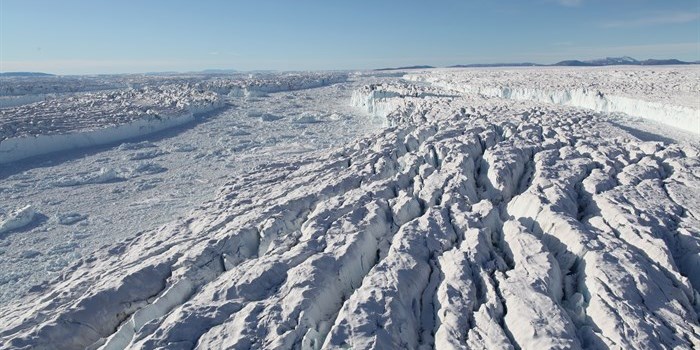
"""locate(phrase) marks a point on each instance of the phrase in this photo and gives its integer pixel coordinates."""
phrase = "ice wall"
(260, 86)
(18, 148)
(676, 116)
(681, 117)
(378, 103)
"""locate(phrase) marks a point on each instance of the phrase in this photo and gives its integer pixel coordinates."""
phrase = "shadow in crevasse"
(589, 330)
(644, 135)
(53, 159)
(573, 281)
(430, 94)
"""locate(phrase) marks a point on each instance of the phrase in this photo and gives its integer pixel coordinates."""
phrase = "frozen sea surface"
(411, 212)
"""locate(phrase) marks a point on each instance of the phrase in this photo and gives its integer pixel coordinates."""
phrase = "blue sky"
(99, 36)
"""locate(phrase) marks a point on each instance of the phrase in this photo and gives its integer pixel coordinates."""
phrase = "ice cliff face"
(686, 118)
(65, 122)
(91, 197)
(260, 85)
(468, 223)
(93, 119)
(665, 95)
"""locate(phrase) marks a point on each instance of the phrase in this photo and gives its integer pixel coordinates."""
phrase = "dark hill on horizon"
(608, 61)
(25, 74)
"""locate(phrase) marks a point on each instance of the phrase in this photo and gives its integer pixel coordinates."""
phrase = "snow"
(668, 95)
(70, 218)
(103, 175)
(94, 119)
(429, 215)
(262, 84)
(143, 183)
(17, 219)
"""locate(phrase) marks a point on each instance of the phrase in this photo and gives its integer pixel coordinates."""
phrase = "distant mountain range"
(25, 74)
(608, 61)
(618, 61)
(480, 65)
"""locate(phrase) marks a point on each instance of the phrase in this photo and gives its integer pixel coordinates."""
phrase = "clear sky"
(119, 36)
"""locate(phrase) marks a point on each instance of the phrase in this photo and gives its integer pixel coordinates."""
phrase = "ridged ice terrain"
(471, 220)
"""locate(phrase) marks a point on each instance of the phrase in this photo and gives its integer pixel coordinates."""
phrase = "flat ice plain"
(449, 209)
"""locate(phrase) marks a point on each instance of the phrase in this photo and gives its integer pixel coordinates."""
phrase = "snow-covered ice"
(17, 219)
(122, 189)
(429, 215)
(93, 119)
(665, 94)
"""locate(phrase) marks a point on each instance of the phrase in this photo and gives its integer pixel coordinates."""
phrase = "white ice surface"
(124, 189)
(467, 222)
(668, 95)
(17, 219)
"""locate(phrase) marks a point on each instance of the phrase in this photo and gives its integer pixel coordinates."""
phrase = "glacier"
(467, 217)
(591, 90)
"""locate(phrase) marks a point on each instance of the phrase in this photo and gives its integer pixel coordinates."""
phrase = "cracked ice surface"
(89, 198)
(668, 95)
(469, 222)
(89, 119)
